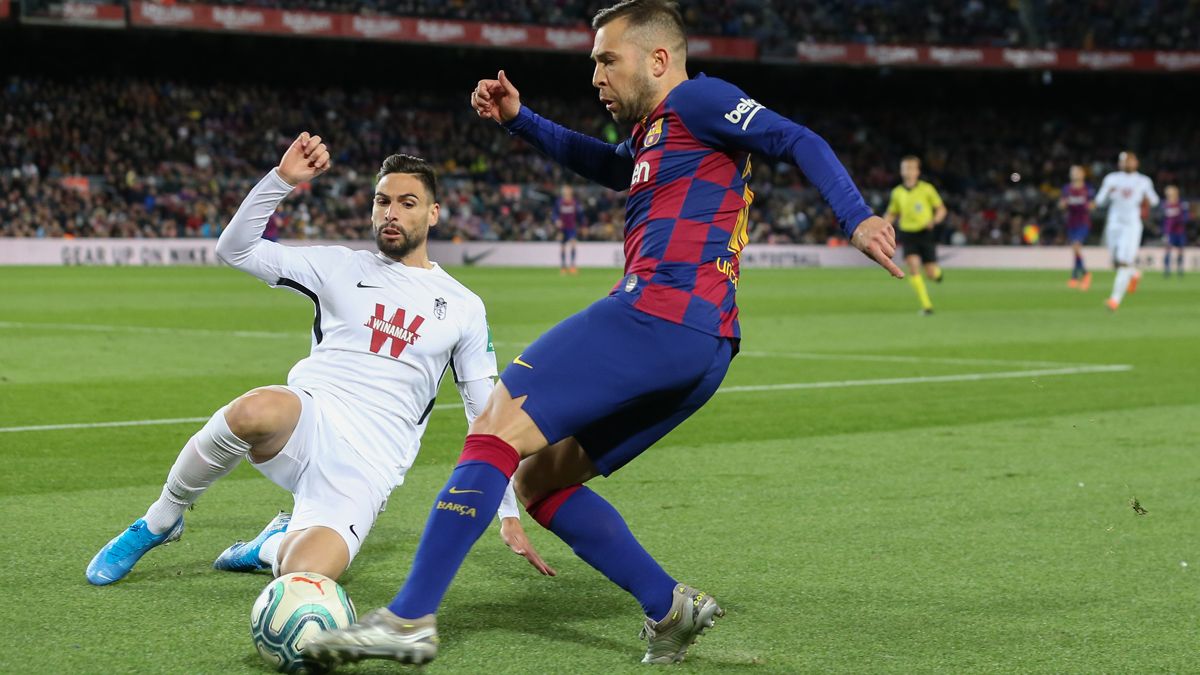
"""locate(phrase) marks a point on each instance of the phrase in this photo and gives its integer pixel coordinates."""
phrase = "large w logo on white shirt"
(394, 329)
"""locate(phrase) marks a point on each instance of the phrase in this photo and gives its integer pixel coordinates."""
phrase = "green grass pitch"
(942, 494)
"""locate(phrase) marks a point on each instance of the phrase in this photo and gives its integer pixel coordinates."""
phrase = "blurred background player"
(568, 214)
(1124, 192)
(1076, 200)
(344, 431)
(919, 208)
(1176, 214)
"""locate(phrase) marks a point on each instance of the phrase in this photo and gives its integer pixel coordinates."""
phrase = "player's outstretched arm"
(241, 245)
(604, 163)
(724, 117)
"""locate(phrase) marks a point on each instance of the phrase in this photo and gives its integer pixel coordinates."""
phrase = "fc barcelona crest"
(653, 133)
(439, 308)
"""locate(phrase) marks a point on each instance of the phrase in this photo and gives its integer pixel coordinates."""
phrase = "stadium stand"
(778, 25)
(150, 158)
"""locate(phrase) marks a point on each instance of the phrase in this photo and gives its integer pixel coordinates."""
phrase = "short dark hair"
(662, 14)
(400, 163)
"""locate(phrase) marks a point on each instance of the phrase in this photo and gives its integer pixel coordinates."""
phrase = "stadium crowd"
(779, 24)
(146, 158)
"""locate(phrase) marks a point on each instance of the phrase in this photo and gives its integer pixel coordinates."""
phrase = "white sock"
(213, 452)
(1121, 283)
(269, 549)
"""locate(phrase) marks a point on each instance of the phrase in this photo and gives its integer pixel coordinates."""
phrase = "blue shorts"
(1078, 235)
(1177, 239)
(569, 235)
(616, 379)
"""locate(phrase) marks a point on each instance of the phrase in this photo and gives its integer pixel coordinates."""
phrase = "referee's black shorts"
(921, 243)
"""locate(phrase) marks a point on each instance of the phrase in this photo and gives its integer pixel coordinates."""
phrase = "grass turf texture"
(943, 526)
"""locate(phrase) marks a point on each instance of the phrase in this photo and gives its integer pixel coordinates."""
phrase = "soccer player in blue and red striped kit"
(603, 385)
(1077, 201)
(568, 215)
(1175, 220)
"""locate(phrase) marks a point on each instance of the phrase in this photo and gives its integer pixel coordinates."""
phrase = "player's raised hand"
(876, 238)
(497, 99)
(515, 538)
(304, 160)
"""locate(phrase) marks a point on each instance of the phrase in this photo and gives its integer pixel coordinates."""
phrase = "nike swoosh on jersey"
(456, 491)
(354, 533)
(519, 362)
(362, 285)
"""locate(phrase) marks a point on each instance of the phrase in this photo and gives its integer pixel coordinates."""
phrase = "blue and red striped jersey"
(687, 169)
(1175, 217)
(1077, 201)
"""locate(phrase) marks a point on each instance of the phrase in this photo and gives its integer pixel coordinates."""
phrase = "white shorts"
(332, 485)
(1123, 242)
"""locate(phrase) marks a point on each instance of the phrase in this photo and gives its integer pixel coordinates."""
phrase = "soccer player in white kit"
(1124, 192)
(343, 432)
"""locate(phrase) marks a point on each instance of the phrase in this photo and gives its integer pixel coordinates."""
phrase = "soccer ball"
(290, 611)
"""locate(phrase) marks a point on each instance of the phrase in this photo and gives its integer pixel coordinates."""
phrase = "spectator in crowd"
(102, 157)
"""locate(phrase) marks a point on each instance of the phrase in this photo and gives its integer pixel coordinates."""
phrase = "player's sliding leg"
(314, 549)
(406, 630)
(258, 424)
(261, 552)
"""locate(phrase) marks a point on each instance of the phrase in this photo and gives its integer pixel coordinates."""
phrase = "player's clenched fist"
(876, 238)
(306, 159)
(496, 99)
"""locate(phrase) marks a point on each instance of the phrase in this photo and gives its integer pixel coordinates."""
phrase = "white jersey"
(383, 337)
(1124, 194)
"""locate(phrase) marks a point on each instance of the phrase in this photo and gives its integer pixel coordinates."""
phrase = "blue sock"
(598, 534)
(562, 256)
(572, 256)
(1167, 264)
(463, 510)
(1078, 271)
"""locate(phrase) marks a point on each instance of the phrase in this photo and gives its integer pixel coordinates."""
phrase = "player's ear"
(434, 212)
(660, 61)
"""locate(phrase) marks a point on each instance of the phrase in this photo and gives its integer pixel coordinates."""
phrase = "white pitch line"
(147, 423)
(274, 335)
(964, 377)
(894, 358)
(155, 330)
(885, 358)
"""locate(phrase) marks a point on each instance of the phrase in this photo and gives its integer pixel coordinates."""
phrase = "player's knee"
(295, 564)
(262, 413)
(318, 549)
(526, 492)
